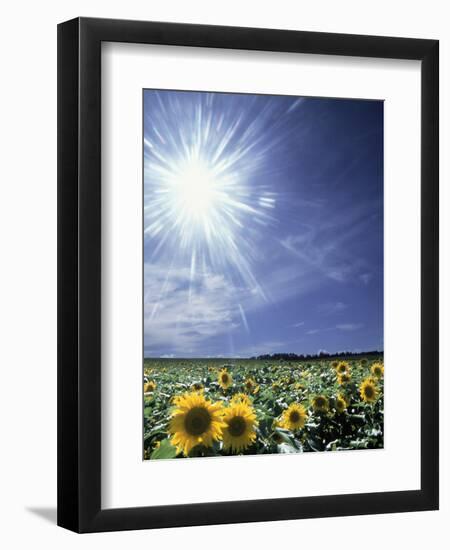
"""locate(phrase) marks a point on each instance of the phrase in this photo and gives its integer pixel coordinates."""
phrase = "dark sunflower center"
(320, 402)
(236, 426)
(369, 391)
(294, 416)
(225, 378)
(197, 421)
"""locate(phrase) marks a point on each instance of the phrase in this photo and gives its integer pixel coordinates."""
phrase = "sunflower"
(225, 379)
(340, 404)
(294, 417)
(174, 400)
(240, 425)
(343, 378)
(334, 364)
(368, 390)
(195, 421)
(320, 404)
(149, 386)
(241, 398)
(197, 386)
(377, 369)
(343, 368)
(250, 385)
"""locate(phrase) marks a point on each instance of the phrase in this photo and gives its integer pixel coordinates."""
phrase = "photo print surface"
(263, 274)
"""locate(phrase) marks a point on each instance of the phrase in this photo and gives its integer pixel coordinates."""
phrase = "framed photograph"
(247, 275)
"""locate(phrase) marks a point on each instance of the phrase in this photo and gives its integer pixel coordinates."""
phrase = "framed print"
(247, 276)
(236, 245)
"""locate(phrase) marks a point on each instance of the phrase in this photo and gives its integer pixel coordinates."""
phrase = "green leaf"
(165, 450)
(315, 445)
(284, 435)
(286, 448)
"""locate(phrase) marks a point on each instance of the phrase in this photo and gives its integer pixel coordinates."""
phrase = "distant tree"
(321, 355)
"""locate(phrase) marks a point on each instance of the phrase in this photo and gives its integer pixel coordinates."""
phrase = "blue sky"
(263, 220)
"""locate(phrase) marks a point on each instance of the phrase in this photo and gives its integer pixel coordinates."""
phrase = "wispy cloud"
(318, 330)
(366, 278)
(185, 312)
(350, 326)
(324, 247)
(281, 282)
(343, 326)
(330, 308)
(181, 313)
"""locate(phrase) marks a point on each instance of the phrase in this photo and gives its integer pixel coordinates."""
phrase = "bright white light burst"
(195, 192)
(204, 193)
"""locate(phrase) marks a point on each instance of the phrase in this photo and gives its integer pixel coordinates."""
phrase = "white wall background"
(28, 268)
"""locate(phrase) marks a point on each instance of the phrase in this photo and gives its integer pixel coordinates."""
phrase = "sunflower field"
(195, 408)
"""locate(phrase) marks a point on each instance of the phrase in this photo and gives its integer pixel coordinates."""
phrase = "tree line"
(320, 355)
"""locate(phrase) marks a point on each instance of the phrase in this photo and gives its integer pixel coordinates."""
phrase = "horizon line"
(310, 355)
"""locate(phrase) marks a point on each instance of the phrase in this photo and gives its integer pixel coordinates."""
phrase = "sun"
(206, 196)
(195, 189)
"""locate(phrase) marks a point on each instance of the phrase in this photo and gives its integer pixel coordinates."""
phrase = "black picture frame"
(79, 274)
